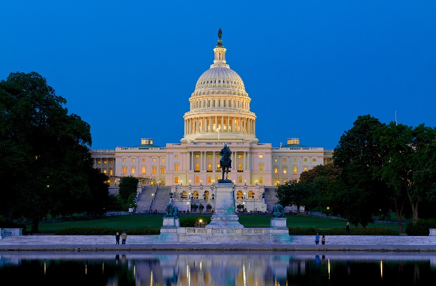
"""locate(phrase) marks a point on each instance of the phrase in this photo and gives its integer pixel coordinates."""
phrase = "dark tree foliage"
(128, 186)
(45, 159)
(292, 193)
(361, 193)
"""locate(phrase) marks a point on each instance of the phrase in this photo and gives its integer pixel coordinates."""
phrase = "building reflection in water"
(240, 269)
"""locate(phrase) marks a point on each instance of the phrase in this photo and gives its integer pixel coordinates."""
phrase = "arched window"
(239, 195)
(206, 195)
(197, 179)
(176, 180)
(176, 166)
(153, 171)
(104, 171)
(209, 167)
(284, 171)
(124, 170)
(251, 195)
(195, 195)
(143, 169)
(240, 166)
(260, 180)
(133, 170)
(276, 170)
(197, 166)
(240, 179)
(209, 179)
(162, 170)
(111, 172)
(295, 169)
(184, 195)
(260, 166)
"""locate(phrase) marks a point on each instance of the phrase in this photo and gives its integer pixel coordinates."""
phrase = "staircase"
(162, 199)
(270, 197)
(145, 199)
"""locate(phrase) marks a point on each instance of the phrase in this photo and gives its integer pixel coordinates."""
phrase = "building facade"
(219, 114)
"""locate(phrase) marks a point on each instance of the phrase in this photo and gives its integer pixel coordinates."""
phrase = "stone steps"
(145, 199)
(162, 199)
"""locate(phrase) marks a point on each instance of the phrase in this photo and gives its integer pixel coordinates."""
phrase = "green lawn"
(155, 222)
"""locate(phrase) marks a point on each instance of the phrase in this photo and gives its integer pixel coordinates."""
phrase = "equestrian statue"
(225, 164)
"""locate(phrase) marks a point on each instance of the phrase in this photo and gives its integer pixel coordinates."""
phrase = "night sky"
(128, 68)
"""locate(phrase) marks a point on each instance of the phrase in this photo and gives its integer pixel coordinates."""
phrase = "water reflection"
(217, 269)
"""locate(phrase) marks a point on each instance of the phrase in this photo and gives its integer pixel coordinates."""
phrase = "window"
(197, 156)
(239, 195)
(104, 162)
(305, 159)
(284, 171)
(276, 170)
(143, 169)
(111, 161)
(162, 170)
(133, 159)
(240, 156)
(209, 156)
(143, 159)
(98, 161)
(314, 160)
(176, 156)
(154, 159)
(162, 160)
(197, 179)
(124, 170)
(206, 195)
(260, 156)
(133, 170)
(260, 180)
(153, 171)
(176, 167)
(295, 169)
(209, 179)
(124, 159)
(104, 171)
(176, 180)
(197, 167)
(305, 169)
(195, 195)
(218, 166)
(295, 159)
(209, 167)
(251, 195)
(284, 159)
(111, 172)
(260, 166)
(275, 160)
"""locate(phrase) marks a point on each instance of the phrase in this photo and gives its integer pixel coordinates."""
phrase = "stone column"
(201, 160)
(214, 159)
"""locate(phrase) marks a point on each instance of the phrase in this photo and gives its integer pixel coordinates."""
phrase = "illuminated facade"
(219, 113)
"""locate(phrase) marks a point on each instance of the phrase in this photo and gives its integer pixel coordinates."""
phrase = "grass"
(155, 222)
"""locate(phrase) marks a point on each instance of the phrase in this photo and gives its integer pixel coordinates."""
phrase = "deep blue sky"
(128, 68)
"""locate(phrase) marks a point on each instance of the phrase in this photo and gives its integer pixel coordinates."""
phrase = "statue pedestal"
(169, 222)
(278, 222)
(168, 232)
(224, 215)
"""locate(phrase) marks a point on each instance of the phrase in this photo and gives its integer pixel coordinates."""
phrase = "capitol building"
(219, 113)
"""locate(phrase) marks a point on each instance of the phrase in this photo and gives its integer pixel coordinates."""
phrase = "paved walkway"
(150, 242)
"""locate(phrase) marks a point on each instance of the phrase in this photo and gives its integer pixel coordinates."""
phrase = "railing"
(299, 148)
(139, 148)
(103, 151)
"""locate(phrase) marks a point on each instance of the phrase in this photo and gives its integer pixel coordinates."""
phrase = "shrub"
(335, 231)
(190, 222)
(421, 227)
(105, 231)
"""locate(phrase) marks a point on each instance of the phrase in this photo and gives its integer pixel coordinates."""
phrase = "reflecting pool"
(209, 268)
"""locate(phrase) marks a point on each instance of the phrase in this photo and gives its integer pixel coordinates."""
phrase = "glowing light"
(328, 266)
(381, 269)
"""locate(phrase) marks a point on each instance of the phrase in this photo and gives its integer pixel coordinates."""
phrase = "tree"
(292, 193)
(128, 186)
(46, 160)
(409, 163)
(361, 192)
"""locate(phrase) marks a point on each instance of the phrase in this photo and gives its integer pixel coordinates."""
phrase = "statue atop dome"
(220, 41)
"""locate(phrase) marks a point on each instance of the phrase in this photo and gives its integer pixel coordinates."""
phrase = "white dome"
(221, 78)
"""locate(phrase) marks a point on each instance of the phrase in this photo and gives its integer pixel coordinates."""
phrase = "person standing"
(323, 240)
(317, 238)
(117, 238)
(124, 237)
(347, 228)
